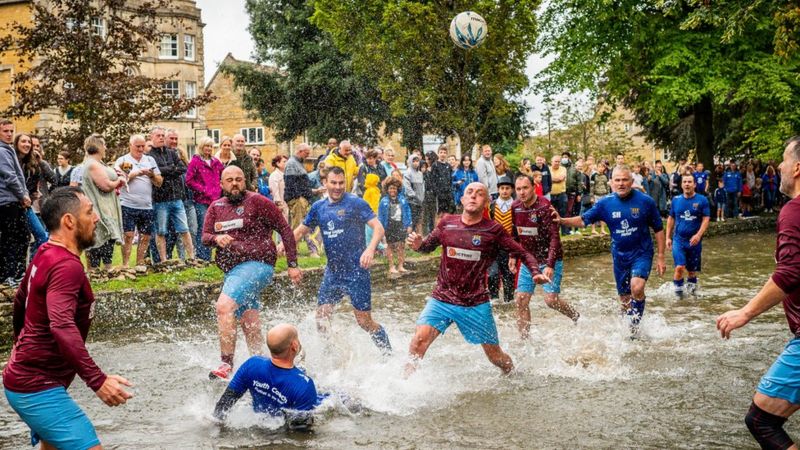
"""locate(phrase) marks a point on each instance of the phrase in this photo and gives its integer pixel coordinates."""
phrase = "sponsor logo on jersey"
(463, 254)
(332, 232)
(528, 231)
(228, 225)
(476, 239)
(687, 216)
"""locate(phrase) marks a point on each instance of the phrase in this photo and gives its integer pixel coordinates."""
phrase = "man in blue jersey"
(275, 384)
(689, 215)
(701, 177)
(342, 218)
(629, 215)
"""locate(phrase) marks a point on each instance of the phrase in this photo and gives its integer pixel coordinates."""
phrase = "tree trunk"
(704, 132)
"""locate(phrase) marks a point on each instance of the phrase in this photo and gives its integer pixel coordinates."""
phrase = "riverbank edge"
(121, 311)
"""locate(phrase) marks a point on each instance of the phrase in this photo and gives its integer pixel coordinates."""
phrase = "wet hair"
(335, 170)
(391, 181)
(61, 201)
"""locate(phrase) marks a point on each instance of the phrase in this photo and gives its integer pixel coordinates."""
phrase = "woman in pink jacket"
(202, 178)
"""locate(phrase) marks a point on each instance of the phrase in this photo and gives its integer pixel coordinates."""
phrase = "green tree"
(404, 46)
(736, 95)
(84, 61)
(314, 89)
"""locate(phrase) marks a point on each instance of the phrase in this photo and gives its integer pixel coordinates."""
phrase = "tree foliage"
(89, 74)
(314, 88)
(731, 90)
(404, 46)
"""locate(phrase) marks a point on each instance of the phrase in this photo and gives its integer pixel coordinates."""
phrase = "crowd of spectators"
(156, 197)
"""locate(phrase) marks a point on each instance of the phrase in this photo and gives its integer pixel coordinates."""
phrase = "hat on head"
(505, 180)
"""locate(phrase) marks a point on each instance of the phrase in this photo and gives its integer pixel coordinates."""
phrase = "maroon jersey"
(250, 224)
(536, 230)
(787, 257)
(53, 310)
(467, 253)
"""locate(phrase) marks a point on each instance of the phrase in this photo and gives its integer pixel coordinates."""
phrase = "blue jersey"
(342, 225)
(688, 214)
(629, 220)
(274, 389)
(701, 179)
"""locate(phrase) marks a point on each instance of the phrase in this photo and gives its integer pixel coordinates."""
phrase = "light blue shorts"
(476, 323)
(54, 417)
(782, 380)
(245, 282)
(526, 285)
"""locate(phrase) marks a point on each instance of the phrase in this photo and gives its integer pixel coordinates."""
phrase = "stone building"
(177, 57)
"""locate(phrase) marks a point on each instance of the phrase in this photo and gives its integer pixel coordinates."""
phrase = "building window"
(190, 90)
(627, 127)
(214, 134)
(171, 89)
(168, 48)
(253, 135)
(98, 27)
(188, 47)
(601, 127)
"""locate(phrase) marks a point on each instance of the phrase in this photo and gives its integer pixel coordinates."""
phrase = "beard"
(85, 238)
(787, 186)
(234, 199)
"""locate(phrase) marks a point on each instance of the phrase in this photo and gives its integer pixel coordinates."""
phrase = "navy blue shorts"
(637, 264)
(138, 219)
(357, 284)
(687, 255)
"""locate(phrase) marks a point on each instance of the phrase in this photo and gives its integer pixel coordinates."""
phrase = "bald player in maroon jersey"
(470, 243)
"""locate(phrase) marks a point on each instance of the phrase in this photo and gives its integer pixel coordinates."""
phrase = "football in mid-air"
(468, 30)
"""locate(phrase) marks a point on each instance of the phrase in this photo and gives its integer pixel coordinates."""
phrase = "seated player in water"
(276, 385)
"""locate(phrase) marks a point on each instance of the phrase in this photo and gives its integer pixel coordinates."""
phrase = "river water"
(584, 385)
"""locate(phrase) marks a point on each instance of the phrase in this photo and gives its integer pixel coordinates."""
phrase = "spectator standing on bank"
(244, 161)
(203, 179)
(733, 190)
(14, 200)
(429, 205)
(277, 185)
(100, 184)
(342, 157)
(188, 201)
(414, 189)
(263, 178)
(33, 169)
(558, 190)
(225, 154)
(547, 180)
(769, 185)
(168, 198)
(371, 165)
(388, 163)
(701, 179)
(659, 184)
(63, 170)
(524, 168)
(137, 200)
(599, 188)
(394, 214)
(486, 171)
(720, 199)
(462, 177)
(298, 192)
(442, 177)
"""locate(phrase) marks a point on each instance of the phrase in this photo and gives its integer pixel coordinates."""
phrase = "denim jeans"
(559, 202)
(38, 231)
(201, 250)
(732, 206)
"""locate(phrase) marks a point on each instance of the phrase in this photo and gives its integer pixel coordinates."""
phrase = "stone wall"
(128, 310)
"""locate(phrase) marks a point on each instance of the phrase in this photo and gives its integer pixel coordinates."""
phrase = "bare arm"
(670, 225)
(575, 222)
(300, 232)
(100, 178)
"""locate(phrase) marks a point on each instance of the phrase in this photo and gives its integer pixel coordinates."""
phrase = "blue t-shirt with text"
(629, 220)
(688, 214)
(701, 179)
(342, 226)
(274, 389)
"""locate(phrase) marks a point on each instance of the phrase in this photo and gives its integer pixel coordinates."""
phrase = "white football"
(468, 30)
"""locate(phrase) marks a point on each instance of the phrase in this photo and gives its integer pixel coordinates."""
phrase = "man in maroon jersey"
(778, 394)
(536, 230)
(470, 243)
(240, 226)
(53, 310)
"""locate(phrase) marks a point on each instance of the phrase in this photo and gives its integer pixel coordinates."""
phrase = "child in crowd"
(537, 183)
(372, 195)
(500, 211)
(720, 198)
(394, 214)
(758, 199)
(746, 200)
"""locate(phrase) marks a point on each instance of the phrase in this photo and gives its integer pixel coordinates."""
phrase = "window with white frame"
(98, 26)
(254, 135)
(171, 88)
(628, 126)
(190, 91)
(168, 47)
(214, 134)
(188, 47)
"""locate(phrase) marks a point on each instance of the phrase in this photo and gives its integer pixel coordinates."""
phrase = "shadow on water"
(584, 385)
